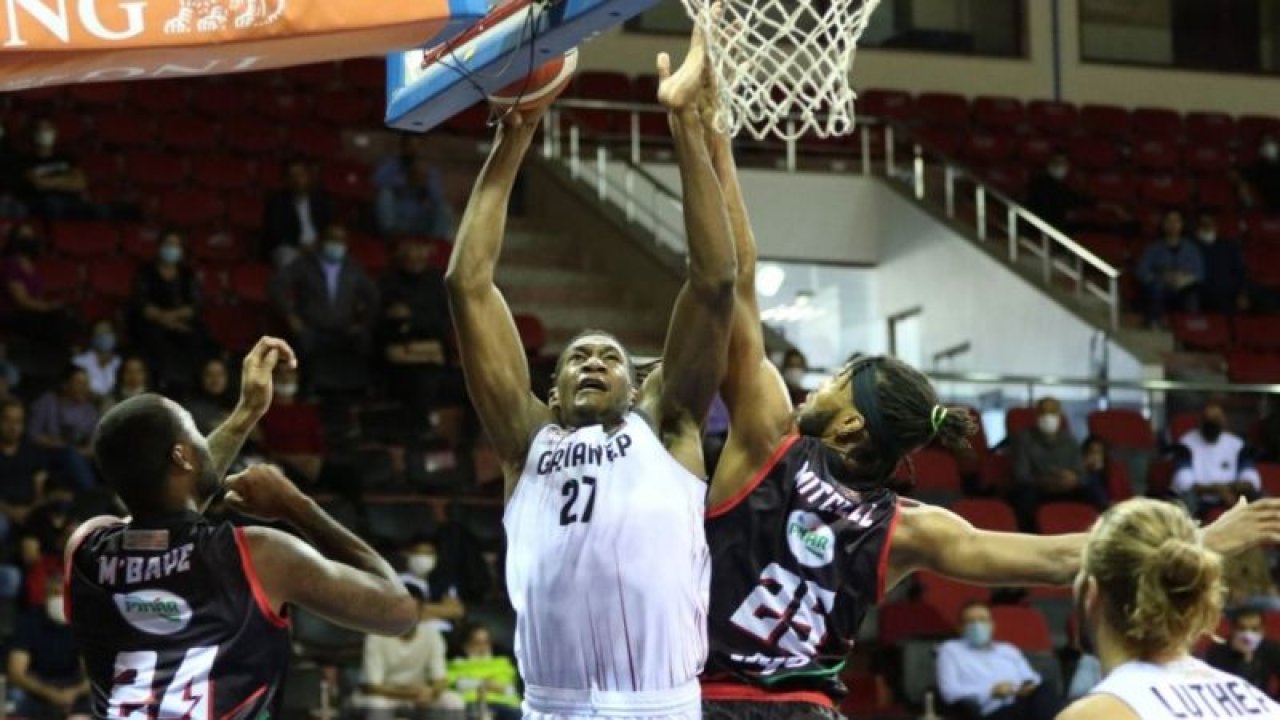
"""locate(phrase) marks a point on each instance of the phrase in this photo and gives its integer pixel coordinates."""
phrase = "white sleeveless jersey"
(1186, 688)
(607, 564)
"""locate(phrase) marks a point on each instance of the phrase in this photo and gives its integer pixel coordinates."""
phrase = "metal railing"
(614, 166)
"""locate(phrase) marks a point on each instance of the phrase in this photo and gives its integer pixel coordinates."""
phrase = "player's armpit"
(933, 538)
(292, 572)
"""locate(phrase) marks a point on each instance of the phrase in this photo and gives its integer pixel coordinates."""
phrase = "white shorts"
(682, 703)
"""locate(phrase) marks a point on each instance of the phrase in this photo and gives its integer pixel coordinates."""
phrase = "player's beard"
(813, 423)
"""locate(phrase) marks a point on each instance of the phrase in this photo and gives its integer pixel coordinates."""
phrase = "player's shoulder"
(1098, 706)
(87, 528)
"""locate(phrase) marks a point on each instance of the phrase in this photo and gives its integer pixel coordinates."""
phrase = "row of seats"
(1217, 333)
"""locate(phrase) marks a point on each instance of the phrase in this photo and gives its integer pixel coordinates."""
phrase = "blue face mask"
(171, 254)
(334, 252)
(104, 342)
(978, 634)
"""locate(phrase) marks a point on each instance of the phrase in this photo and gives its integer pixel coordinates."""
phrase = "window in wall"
(826, 311)
(969, 27)
(1240, 36)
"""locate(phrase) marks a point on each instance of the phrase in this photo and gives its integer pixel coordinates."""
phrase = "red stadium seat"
(1157, 123)
(310, 141)
(347, 108)
(904, 621)
(439, 249)
(1209, 333)
(251, 137)
(124, 130)
(1257, 332)
(62, 278)
(1060, 518)
(602, 85)
(285, 107)
(1211, 128)
(1112, 248)
(97, 95)
(189, 134)
(159, 97)
(1251, 128)
(998, 112)
(245, 211)
(1216, 193)
(1107, 121)
(1166, 191)
(986, 514)
(940, 139)
(1246, 366)
(232, 327)
(1091, 153)
(889, 104)
(995, 473)
(316, 76)
(1270, 473)
(944, 109)
(95, 308)
(1119, 485)
(85, 240)
(71, 129)
(249, 283)
(533, 334)
(347, 179)
(1023, 627)
(1109, 186)
(155, 171)
(217, 248)
(474, 121)
(213, 285)
(1010, 179)
(112, 278)
(1156, 154)
(139, 242)
(1264, 228)
(1122, 428)
(1206, 159)
(982, 148)
(947, 595)
(934, 472)
(102, 170)
(1053, 118)
(1035, 151)
(1181, 424)
(190, 208)
(222, 172)
(1159, 478)
(222, 100)
(370, 253)
(1017, 419)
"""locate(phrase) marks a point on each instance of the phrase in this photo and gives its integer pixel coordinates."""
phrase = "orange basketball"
(541, 87)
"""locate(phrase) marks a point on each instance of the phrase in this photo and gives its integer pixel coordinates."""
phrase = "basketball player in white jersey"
(607, 566)
(806, 535)
(1147, 590)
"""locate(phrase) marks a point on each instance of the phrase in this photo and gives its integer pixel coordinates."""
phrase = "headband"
(868, 403)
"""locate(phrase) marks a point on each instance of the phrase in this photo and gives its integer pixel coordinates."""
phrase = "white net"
(783, 65)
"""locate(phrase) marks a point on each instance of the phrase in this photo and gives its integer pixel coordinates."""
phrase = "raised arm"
(255, 399)
(493, 359)
(693, 359)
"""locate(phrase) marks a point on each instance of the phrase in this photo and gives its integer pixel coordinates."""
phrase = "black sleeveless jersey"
(797, 559)
(172, 623)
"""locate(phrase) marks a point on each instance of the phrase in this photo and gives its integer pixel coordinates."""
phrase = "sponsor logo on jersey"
(767, 665)
(156, 612)
(811, 540)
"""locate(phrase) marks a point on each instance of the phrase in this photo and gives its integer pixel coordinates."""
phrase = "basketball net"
(782, 66)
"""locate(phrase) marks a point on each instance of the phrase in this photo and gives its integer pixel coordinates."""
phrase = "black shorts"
(762, 710)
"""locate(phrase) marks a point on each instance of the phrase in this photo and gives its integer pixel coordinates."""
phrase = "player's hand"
(1027, 688)
(679, 91)
(1003, 690)
(256, 374)
(263, 492)
(1245, 525)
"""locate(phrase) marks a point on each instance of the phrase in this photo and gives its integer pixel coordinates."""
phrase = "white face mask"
(287, 389)
(421, 565)
(57, 612)
(794, 376)
(1058, 172)
(1250, 639)
(1207, 236)
(1270, 151)
(46, 138)
(1049, 424)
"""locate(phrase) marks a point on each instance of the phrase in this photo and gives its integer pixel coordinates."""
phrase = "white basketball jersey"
(607, 562)
(1186, 688)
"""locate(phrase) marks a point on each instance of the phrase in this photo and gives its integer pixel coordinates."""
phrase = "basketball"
(541, 87)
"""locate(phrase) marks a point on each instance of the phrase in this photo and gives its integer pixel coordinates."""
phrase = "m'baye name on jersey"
(144, 569)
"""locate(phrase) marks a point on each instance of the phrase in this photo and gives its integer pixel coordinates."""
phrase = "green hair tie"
(936, 417)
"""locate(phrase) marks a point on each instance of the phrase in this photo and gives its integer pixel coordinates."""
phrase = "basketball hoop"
(782, 66)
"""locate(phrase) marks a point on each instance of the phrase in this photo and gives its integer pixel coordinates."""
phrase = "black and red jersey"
(172, 622)
(797, 560)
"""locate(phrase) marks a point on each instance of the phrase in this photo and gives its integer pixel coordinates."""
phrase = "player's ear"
(179, 456)
(849, 425)
(553, 398)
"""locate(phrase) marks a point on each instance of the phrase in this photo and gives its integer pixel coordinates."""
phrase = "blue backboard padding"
(496, 58)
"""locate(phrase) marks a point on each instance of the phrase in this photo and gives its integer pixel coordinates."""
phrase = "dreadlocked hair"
(902, 415)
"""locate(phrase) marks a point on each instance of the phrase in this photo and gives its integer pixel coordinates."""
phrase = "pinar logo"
(156, 612)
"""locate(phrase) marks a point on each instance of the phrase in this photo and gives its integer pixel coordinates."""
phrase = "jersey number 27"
(569, 514)
(133, 691)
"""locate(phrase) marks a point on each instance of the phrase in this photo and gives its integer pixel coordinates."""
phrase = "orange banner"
(56, 42)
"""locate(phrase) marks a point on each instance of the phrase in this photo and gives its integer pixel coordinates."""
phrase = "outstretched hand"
(685, 87)
(1246, 525)
(256, 385)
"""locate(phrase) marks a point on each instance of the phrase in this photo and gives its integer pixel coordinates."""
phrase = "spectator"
(1048, 465)
(1249, 654)
(1094, 458)
(1052, 198)
(1261, 186)
(415, 330)
(292, 435)
(101, 362)
(1225, 279)
(213, 399)
(44, 536)
(417, 206)
(483, 679)
(331, 306)
(1247, 576)
(406, 676)
(24, 470)
(133, 381)
(45, 664)
(295, 216)
(989, 679)
(1214, 468)
(393, 170)
(1170, 271)
(794, 368)
(62, 421)
(52, 185)
(25, 308)
(166, 315)
(439, 603)
(10, 376)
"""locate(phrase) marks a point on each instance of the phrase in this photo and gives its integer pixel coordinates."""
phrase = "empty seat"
(1209, 333)
(222, 100)
(155, 171)
(1010, 179)
(934, 473)
(370, 253)
(213, 285)
(1247, 366)
(347, 179)
(1210, 128)
(159, 97)
(232, 327)
(1060, 518)
(365, 74)
(315, 76)
(1264, 228)
(1156, 154)
(1109, 121)
(1251, 128)
(1122, 428)
(986, 513)
(222, 172)
(245, 210)
(310, 141)
(902, 621)
(189, 134)
(249, 283)
(1257, 332)
(85, 240)
(945, 140)
(112, 278)
(1159, 478)
(61, 277)
(945, 109)
(347, 108)
(1023, 627)
(1113, 186)
(284, 107)
(1036, 150)
(124, 130)
(1270, 473)
(890, 104)
(1157, 123)
(995, 472)
(982, 148)
(947, 595)
(1181, 424)
(190, 208)
(251, 137)
(998, 112)
(1217, 192)
(1112, 248)
(1206, 159)
(217, 247)
(97, 95)
(1166, 191)
(1053, 118)
(1090, 153)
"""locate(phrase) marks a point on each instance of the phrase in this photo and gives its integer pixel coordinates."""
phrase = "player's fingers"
(233, 499)
(664, 66)
(283, 350)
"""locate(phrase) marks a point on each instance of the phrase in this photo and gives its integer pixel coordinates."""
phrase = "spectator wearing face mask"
(1214, 468)
(26, 308)
(485, 679)
(1170, 272)
(1247, 653)
(1225, 278)
(794, 367)
(987, 679)
(45, 664)
(1048, 465)
(1261, 181)
(52, 184)
(1050, 196)
(441, 603)
(101, 361)
(166, 315)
